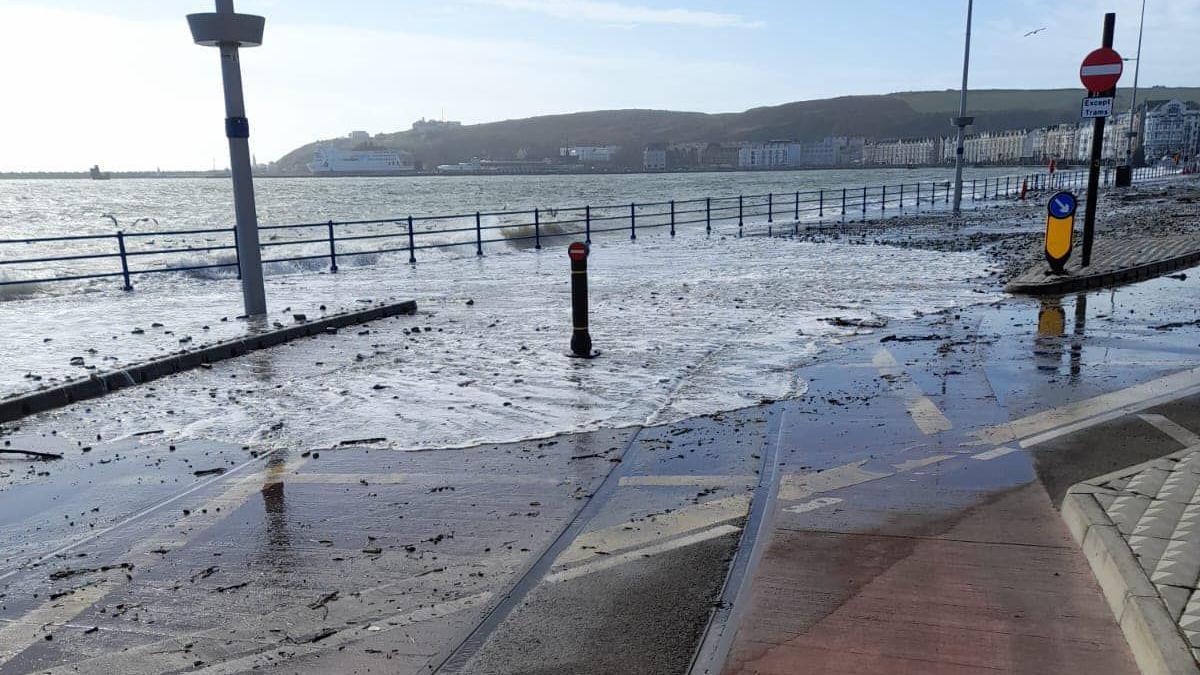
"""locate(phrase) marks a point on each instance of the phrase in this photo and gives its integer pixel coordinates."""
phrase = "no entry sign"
(1101, 69)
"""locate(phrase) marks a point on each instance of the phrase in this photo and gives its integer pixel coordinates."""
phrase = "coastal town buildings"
(1162, 130)
(654, 157)
(1171, 128)
(902, 152)
(588, 153)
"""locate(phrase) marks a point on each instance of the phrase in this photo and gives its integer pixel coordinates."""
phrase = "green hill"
(902, 114)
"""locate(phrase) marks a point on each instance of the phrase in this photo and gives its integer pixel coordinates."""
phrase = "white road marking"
(352, 634)
(59, 612)
(994, 453)
(923, 411)
(396, 478)
(909, 465)
(1170, 428)
(1043, 426)
(16, 636)
(672, 481)
(813, 505)
(137, 516)
(644, 532)
(797, 487)
(614, 561)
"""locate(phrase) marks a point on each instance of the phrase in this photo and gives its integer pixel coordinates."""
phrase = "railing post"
(672, 217)
(537, 229)
(843, 204)
(412, 250)
(632, 221)
(332, 251)
(900, 205)
(770, 207)
(947, 201)
(972, 189)
(124, 261)
(237, 253)
(882, 200)
(1006, 187)
(587, 224)
(821, 203)
(739, 216)
(917, 201)
(996, 189)
(707, 216)
(932, 193)
(478, 236)
(864, 203)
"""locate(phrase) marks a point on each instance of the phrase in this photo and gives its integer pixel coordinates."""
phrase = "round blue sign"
(1062, 205)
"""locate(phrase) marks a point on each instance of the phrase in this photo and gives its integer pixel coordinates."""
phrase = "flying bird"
(1034, 32)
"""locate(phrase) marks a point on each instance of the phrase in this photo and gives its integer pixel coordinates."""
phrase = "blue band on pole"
(237, 127)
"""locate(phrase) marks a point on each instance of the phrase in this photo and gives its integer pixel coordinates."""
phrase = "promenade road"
(911, 525)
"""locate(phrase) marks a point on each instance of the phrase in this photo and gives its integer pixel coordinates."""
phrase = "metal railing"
(121, 253)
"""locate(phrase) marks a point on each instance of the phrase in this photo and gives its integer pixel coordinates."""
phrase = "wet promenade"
(910, 524)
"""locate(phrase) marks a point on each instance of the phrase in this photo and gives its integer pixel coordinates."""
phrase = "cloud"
(622, 14)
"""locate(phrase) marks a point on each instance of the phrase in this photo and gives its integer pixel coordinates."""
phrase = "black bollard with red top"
(581, 340)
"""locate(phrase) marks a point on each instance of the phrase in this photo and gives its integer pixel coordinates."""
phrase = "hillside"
(902, 114)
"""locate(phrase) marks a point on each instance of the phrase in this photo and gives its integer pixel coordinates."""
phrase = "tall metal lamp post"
(1132, 133)
(962, 121)
(229, 31)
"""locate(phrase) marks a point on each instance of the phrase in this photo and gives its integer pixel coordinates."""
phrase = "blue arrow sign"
(1062, 205)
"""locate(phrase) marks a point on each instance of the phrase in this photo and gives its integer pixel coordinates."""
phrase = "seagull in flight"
(1034, 32)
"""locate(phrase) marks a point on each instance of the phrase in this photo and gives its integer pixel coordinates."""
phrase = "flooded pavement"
(913, 523)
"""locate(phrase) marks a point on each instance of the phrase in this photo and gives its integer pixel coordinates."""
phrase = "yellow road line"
(923, 411)
(610, 562)
(645, 531)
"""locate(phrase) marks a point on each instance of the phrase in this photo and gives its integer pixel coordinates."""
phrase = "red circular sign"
(577, 251)
(1101, 69)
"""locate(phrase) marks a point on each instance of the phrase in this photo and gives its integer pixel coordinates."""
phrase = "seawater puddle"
(686, 327)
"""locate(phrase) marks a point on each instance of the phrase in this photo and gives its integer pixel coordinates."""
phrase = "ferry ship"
(330, 160)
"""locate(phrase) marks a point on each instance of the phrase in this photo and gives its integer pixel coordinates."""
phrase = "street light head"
(214, 29)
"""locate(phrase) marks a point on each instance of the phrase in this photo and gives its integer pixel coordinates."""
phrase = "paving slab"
(1113, 262)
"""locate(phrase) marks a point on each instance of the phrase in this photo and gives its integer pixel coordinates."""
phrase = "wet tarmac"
(916, 444)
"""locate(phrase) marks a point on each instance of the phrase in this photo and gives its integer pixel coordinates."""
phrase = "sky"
(119, 82)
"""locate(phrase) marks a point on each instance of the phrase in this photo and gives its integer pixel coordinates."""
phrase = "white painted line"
(994, 453)
(797, 487)
(397, 478)
(1112, 405)
(645, 532)
(348, 635)
(1185, 436)
(142, 554)
(923, 411)
(911, 464)
(139, 515)
(674, 481)
(1102, 69)
(927, 417)
(1106, 417)
(813, 505)
(614, 561)
(17, 636)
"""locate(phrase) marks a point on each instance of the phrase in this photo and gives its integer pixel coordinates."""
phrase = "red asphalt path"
(997, 588)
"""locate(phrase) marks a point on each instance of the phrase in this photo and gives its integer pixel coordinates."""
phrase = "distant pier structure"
(97, 174)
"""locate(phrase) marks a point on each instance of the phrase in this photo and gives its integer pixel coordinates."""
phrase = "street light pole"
(962, 121)
(1133, 100)
(228, 31)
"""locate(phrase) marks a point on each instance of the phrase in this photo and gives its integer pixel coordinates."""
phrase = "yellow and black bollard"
(1060, 228)
(581, 339)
